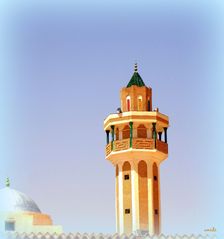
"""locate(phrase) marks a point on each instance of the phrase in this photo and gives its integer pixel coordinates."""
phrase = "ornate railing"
(162, 146)
(137, 143)
(108, 148)
(121, 144)
(141, 143)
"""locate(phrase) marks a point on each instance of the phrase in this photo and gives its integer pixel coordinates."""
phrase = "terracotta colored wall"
(143, 195)
(134, 92)
(127, 202)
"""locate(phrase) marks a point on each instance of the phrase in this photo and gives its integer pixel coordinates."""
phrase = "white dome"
(14, 201)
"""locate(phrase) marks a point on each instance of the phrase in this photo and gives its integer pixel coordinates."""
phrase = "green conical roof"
(136, 79)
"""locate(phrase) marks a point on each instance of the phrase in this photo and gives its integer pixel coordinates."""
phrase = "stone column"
(165, 134)
(108, 136)
(160, 135)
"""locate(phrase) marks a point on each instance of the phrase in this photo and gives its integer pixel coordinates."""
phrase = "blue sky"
(62, 65)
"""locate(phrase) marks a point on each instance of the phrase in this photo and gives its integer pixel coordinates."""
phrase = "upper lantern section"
(136, 96)
(136, 78)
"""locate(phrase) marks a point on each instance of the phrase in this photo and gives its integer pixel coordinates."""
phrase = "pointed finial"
(7, 183)
(136, 67)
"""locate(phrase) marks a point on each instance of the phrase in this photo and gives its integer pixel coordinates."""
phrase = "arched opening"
(127, 202)
(141, 131)
(117, 134)
(149, 105)
(139, 103)
(128, 103)
(143, 195)
(156, 199)
(126, 132)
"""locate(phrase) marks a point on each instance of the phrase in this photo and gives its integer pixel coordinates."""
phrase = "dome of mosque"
(14, 201)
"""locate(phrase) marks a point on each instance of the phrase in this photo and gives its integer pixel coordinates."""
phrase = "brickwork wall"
(134, 92)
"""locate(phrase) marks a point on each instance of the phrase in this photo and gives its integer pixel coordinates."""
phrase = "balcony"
(137, 143)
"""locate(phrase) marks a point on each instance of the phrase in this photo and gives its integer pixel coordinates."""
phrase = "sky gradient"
(62, 65)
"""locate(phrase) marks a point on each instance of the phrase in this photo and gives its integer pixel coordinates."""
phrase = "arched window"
(141, 131)
(128, 103)
(140, 103)
(126, 132)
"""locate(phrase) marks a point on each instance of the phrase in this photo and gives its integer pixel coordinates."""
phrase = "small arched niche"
(128, 103)
(139, 103)
(141, 131)
(126, 132)
(117, 134)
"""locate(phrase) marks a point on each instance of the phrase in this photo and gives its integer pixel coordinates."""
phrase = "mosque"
(19, 213)
(136, 144)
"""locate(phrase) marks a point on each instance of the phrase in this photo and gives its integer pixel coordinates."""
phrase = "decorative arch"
(141, 131)
(117, 134)
(126, 166)
(143, 194)
(128, 103)
(139, 103)
(126, 132)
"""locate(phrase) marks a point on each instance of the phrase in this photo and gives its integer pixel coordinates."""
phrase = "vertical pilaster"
(150, 198)
(135, 196)
(120, 200)
(112, 136)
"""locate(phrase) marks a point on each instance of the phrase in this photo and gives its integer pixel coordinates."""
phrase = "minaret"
(136, 145)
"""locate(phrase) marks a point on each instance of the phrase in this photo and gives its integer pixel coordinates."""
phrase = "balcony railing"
(137, 143)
